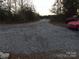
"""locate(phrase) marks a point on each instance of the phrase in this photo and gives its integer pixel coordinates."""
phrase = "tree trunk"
(21, 4)
(15, 6)
(9, 4)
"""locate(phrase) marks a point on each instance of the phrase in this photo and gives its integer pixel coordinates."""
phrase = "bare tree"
(9, 4)
(21, 4)
(57, 7)
(15, 2)
(1, 3)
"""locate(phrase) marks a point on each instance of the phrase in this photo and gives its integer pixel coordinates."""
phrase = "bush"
(5, 16)
(23, 15)
(28, 15)
(58, 18)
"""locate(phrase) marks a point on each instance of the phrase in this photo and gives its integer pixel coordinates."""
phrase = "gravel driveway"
(37, 37)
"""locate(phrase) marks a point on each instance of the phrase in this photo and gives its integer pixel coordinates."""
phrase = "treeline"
(62, 9)
(66, 7)
(17, 11)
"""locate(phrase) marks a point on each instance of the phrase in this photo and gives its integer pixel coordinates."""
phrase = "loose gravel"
(39, 36)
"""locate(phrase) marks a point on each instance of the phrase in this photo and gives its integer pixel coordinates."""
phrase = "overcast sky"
(43, 6)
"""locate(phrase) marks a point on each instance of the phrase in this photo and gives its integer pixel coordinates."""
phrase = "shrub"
(28, 15)
(59, 18)
(23, 15)
(5, 16)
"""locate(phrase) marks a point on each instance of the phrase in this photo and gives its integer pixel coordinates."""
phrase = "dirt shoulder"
(54, 54)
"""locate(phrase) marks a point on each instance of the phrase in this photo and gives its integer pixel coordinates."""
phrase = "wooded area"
(17, 11)
(24, 10)
(66, 7)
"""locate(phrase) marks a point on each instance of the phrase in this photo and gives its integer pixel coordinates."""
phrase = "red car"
(73, 23)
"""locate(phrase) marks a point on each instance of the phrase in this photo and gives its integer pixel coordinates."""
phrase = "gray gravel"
(37, 37)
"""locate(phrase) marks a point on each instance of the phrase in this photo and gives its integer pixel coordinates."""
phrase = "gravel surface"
(37, 37)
